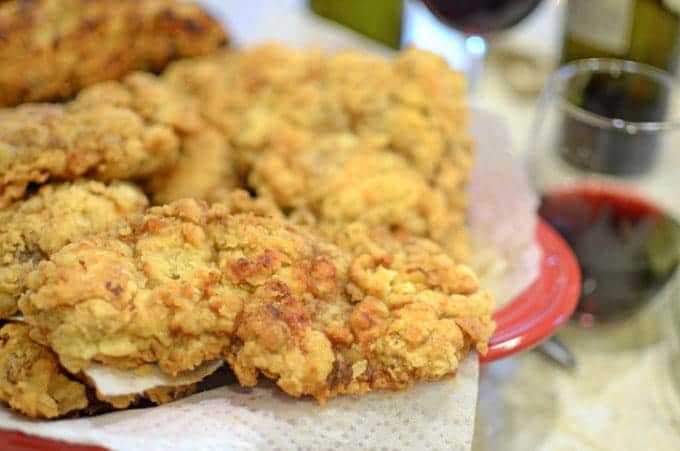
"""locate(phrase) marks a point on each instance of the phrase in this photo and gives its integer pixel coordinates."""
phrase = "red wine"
(481, 16)
(626, 247)
(626, 96)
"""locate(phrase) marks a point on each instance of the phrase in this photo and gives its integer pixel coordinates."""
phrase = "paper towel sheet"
(431, 416)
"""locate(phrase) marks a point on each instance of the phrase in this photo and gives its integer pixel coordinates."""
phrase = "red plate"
(17, 441)
(544, 306)
(525, 322)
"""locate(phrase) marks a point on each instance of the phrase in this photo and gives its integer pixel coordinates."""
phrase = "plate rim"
(549, 300)
(15, 440)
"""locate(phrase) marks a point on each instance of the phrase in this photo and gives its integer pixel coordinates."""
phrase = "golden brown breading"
(240, 201)
(146, 95)
(342, 180)
(164, 395)
(186, 283)
(31, 229)
(155, 293)
(203, 171)
(406, 312)
(50, 49)
(287, 112)
(40, 143)
(31, 380)
(204, 168)
(231, 83)
(135, 128)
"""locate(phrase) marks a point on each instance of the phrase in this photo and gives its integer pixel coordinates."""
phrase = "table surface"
(621, 394)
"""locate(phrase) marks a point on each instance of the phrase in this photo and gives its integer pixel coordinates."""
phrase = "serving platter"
(18, 441)
(538, 311)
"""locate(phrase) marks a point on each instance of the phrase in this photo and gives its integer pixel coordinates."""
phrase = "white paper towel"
(431, 416)
(111, 381)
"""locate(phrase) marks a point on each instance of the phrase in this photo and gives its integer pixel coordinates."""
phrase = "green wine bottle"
(377, 19)
(639, 30)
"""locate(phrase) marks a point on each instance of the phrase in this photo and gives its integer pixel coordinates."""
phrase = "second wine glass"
(478, 20)
(605, 156)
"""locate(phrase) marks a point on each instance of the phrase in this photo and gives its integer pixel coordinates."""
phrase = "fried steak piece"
(135, 129)
(342, 179)
(186, 283)
(302, 125)
(40, 143)
(204, 169)
(31, 380)
(31, 229)
(33, 383)
(51, 49)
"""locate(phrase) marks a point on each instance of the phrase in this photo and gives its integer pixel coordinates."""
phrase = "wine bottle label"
(603, 24)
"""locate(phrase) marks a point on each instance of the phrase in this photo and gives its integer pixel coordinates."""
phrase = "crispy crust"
(204, 169)
(40, 143)
(306, 128)
(56, 215)
(186, 283)
(50, 49)
(138, 128)
(163, 286)
(31, 380)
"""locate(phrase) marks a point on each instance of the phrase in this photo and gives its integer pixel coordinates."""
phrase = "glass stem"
(475, 47)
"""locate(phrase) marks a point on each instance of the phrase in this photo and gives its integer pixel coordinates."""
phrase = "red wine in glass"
(481, 17)
(628, 97)
(627, 248)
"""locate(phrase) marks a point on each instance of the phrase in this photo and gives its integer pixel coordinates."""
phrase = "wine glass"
(477, 20)
(605, 156)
